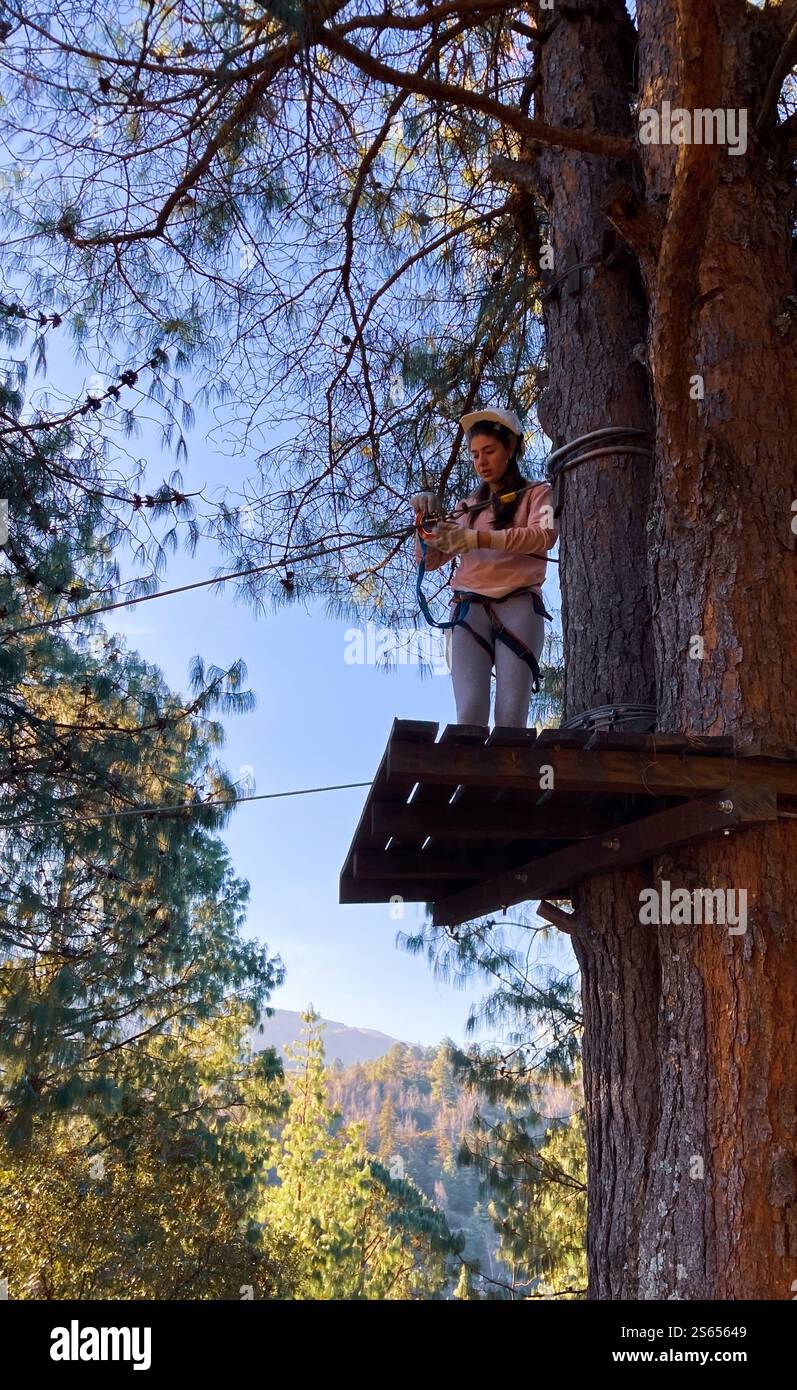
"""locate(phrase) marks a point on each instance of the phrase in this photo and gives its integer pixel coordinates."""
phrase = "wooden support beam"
(769, 748)
(711, 745)
(732, 806)
(484, 822)
(666, 774)
(398, 863)
(549, 912)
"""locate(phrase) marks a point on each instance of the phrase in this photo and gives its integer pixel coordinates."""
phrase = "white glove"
(453, 539)
(425, 502)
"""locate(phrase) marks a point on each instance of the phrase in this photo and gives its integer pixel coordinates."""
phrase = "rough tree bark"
(598, 378)
(690, 1032)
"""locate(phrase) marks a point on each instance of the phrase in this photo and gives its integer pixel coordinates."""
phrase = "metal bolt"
(726, 806)
(610, 844)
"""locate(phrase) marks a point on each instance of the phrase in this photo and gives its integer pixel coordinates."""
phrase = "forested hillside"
(420, 1116)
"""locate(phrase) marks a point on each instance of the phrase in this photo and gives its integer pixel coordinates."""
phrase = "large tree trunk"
(597, 377)
(689, 1031)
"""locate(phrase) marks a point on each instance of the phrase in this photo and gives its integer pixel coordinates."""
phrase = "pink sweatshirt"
(497, 572)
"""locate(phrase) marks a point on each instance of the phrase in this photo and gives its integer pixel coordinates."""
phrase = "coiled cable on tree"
(612, 439)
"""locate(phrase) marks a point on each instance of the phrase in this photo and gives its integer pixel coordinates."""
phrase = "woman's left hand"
(453, 539)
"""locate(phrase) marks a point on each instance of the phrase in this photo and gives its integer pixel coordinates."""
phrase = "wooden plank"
(485, 821)
(417, 732)
(657, 742)
(562, 738)
(631, 844)
(667, 774)
(711, 745)
(549, 912)
(636, 742)
(504, 736)
(768, 748)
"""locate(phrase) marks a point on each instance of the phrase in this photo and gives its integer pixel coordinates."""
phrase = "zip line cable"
(6, 636)
(611, 435)
(183, 588)
(163, 812)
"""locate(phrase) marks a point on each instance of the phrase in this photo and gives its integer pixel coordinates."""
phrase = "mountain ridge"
(341, 1041)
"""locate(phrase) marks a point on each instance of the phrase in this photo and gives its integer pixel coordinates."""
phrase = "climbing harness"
(462, 600)
(500, 631)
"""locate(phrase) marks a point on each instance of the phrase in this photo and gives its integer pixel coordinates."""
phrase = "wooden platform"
(462, 822)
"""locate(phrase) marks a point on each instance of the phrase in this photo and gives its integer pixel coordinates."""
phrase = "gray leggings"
(471, 665)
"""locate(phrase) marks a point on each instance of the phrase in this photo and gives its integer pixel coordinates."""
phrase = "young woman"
(502, 565)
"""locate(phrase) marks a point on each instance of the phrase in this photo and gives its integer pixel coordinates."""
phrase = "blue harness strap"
(462, 604)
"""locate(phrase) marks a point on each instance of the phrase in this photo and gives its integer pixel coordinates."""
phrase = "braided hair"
(512, 480)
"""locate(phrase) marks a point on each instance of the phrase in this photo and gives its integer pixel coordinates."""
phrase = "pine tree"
(360, 1234)
(386, 1129)
(154, 1198)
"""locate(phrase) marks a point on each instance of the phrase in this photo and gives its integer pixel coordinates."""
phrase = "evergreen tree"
(444, 1089)
(360, 1233)
(115, 917)
(386, 1129)
(155, 1198)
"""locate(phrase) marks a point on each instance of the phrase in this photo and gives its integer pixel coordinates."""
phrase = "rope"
(611, 436)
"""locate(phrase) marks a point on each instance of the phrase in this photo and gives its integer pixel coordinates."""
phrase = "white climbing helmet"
(501, 417)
